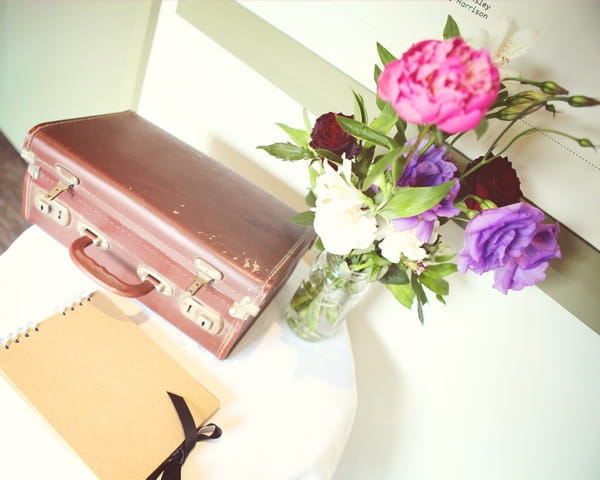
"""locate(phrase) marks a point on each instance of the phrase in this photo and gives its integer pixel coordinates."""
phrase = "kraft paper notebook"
(101, 382)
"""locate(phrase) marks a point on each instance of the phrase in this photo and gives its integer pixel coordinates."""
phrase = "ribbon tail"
(171, 467)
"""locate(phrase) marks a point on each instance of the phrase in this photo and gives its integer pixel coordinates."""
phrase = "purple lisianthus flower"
(495, 235)
(423, 228)
(512, 241)
(530, 267)
(429, 169)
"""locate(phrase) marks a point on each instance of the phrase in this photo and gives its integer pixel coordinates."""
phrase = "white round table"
(287, 406)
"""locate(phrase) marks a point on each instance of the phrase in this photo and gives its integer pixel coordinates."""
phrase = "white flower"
(341, 218)
(505, 42)
(395, 244)
(342, 230)
(332, 190)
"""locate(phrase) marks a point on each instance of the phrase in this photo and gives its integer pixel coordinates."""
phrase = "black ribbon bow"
(171, 467)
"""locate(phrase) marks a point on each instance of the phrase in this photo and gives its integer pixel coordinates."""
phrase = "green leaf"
(298, 136)
(420, 311)
(307, 124)
(313, 175)
(451, 29)
(384, 55)
(440, 270)
(303, 218)
(550, 108)
(332, 157)
(410, 201)
(438, 286)
(362, 131)
(415, 282)
(481, 128)
(376, 73)
(318, 246)
(421, 297)
(310, 198)
(403, 293)
(363, 162)
(397, 170)
(395, 276)
(380, 166)
(384, 122)
(444, 258)
(359, 103)
(287, 151)
(400, 136)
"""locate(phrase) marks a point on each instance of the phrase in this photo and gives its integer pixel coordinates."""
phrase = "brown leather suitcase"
(148, 216)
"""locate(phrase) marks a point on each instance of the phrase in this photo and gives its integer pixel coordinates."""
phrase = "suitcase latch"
(206, 273)
(57, 190)
(66, 180)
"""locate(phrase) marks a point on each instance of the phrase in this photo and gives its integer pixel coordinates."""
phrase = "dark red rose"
(496, 181)
(328, 134)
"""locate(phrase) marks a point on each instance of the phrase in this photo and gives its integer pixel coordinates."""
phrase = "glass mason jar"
(324, 298)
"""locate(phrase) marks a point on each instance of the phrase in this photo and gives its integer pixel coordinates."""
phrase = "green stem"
(485, 161)
(455, 139)
(419, 139)
(430, 142)
(529, 131)
(526, 111)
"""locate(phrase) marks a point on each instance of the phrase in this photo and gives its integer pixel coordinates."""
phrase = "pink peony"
(445, 83)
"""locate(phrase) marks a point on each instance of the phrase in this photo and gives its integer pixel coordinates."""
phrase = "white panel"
(558, 175)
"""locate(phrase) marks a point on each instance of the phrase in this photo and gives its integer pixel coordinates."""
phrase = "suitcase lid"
(189, 203)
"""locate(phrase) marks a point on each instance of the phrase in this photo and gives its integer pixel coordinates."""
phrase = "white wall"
(490, 388)
(61, 59)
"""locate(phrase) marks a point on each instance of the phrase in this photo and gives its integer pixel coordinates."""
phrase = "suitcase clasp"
(206, 273)
(57, 190)
(66, 180)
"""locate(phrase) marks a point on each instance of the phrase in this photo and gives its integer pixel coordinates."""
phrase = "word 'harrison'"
(476, 7)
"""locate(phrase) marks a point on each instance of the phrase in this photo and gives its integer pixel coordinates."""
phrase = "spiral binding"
(22, 333)
(76, 301)
(18, 335)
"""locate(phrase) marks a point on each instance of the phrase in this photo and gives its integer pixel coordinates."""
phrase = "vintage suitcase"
(148, 216)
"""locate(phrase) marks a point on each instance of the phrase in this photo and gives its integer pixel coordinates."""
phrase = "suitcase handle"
(101, 274)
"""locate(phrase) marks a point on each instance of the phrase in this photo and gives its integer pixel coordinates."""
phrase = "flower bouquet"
(378, 195)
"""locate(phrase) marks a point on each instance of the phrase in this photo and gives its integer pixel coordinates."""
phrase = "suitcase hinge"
(244, 309)
(32, 168)
(28, 156)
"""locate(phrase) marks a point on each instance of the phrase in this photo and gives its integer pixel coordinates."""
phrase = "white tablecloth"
(287, 405)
